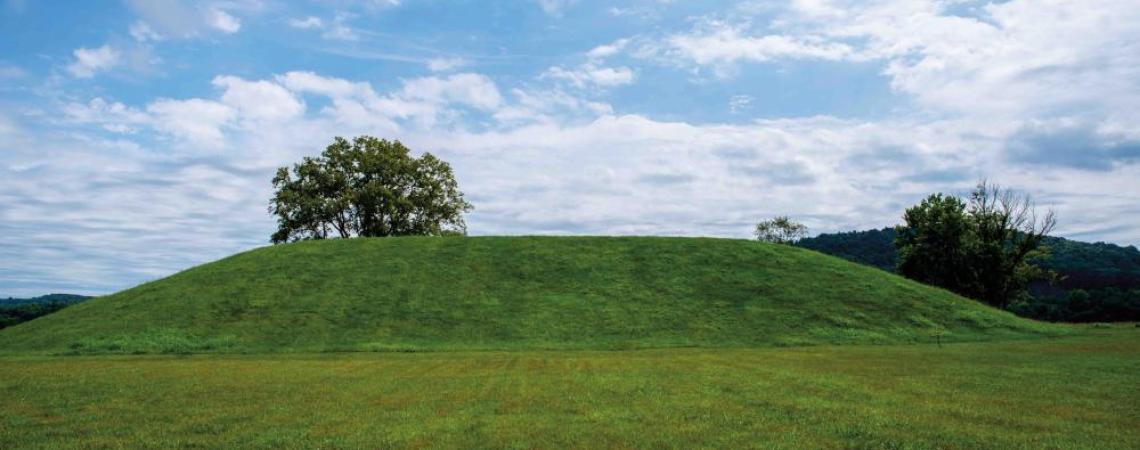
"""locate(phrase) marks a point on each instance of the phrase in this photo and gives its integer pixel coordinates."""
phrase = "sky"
(139, 138)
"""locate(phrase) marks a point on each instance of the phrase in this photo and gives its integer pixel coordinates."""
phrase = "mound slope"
(516, 292)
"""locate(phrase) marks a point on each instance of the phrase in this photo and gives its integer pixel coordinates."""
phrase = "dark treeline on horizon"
(1097, 282)
(18, 310)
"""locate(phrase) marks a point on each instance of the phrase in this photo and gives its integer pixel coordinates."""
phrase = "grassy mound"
(413, 294)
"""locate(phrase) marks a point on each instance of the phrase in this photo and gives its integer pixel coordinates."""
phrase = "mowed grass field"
(1079, 391)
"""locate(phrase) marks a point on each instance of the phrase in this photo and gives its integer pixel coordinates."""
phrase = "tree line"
(944, 242)
(1094, 282)
(18, 310)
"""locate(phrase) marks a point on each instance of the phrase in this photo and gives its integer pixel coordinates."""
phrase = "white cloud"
(7, 128)
(112, 116)
(1008, 59)
(642, 12)
(114, 202)
(590, 75)
(10, 72)
(259, 100)
(726, 44)
(555, 7)
(168, 17)
(195, 120)
(424, 101)
(307, 23)
(1020, 57)
(607, 50)
(332, 87)
(90, 61)
(180, 19)
(618, 12)
(223, 21)
(470, 89)
(739, 103)
(549, 106)
(340, 30)
(142, 32)
(446, 64)
(198, 122)
(634, 175)
(353, 104)
(817, 8)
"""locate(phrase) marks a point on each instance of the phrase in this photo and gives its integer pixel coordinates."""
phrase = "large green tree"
(1008, 233)
(366, 187)
(932, 246)
(982, 248)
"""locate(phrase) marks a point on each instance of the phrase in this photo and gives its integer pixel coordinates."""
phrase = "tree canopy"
(780, 230)
(366, 187)
(932, 244)
(981, 248)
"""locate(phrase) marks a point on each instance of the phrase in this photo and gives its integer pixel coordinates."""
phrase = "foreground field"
(1074, 392)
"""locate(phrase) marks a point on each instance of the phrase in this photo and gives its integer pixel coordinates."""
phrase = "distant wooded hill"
(1098, 281)
(19, 310)
(50, 298)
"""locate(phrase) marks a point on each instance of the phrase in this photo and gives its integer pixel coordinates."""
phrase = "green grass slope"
(406, 294)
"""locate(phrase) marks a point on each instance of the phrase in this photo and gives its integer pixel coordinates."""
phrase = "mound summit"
(502, 293)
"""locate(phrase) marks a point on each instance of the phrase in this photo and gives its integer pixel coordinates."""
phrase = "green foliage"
(874, 248)
(453, 293)
(1080, 305)
(18, 310)
(1093, 265)
(780, 230)
(1006, 240)
(932, 246)
(12, 315)
(1068, 393)
(367, 187)
(1108, 274)
(982, 249)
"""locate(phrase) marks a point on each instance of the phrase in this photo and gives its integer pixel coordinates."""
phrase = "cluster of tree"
(981, 247)
(367, 187)
(1094, 282)
(18, 310)
(1093, 266)
(1080, 305)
